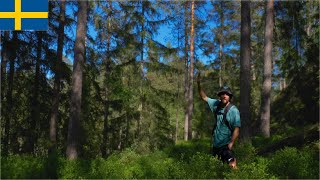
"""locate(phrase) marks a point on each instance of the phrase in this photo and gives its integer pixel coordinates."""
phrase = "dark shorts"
(224, 154)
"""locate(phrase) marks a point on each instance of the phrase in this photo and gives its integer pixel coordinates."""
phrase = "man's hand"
(230, 145)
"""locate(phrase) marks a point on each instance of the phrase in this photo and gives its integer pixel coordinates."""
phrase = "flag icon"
(23, 14)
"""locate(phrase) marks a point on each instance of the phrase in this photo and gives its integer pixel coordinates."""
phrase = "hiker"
(227, 125)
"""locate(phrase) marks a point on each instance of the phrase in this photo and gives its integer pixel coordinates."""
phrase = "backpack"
(227, 108)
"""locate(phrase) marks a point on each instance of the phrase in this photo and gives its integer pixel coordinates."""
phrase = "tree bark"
(56, 88)
(186, 74)
(35, 112)
(107, 76)
(190, 96)
(177, 111)
(142, 98)
(8, 116)
(4, 60)
(267, 71)
(77, 75)
(222, 63)
(178, 97)
(245, 70)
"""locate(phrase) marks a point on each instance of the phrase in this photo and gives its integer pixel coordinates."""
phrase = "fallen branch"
(294, 141)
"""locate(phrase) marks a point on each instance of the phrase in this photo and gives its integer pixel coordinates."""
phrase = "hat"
(224, 89)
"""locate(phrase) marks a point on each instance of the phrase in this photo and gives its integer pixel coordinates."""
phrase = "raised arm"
(202, 94)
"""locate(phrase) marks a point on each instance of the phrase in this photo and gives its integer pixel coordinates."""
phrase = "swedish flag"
(23, 14)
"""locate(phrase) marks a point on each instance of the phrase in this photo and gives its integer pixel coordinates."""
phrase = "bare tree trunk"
(222, 63)
(267, 71)
(253, 69)
(8, 115)
(308, 26)
(141, 106)
(56, 87)
(191, 72)
(186, 49)
(177, 111)
(220, 68)
(245, 70)
(4, 60)
(4, 39)
(76, 92)
(119, 147)
(178, 98)
(186, 74)
(127, 130)
(107, 75)
(35, 112)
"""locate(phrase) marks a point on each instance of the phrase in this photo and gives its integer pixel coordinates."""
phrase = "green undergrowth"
(186, 160)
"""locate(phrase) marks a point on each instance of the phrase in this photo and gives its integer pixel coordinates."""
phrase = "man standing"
(227, 125)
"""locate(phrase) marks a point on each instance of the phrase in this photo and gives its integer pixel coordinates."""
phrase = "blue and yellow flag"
(24, 15)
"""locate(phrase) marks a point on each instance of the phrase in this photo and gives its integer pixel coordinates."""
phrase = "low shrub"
(293, 164)
(73, 169)
(188, 162)
(245, 152)
(23, 167)
(158, 165)
(128, 166)
(204, 166)
(184, 150)
(257, 169)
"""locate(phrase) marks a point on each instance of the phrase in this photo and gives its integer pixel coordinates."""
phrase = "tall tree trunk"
(186, 49)
(177, 110)
(178, 97)
(190, 95)
(245, 70)
(76, 91)
(186, 70)
(56, 87)
(126, 143)
(5, 57)
(267, 71)
(310, 11)
(140, 120)
(107, 76)
(222, 63)
(35, 112)
(4, 60)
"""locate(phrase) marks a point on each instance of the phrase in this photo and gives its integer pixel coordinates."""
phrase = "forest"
(109, 90)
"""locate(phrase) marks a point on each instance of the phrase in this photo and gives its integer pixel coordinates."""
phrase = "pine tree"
(79, 59)
(191, 72)
(56, 88)
(7, 117)
(245, 70)
(267, 71)
(186, 70)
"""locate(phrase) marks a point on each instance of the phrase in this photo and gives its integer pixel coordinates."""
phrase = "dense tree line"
(99, 80)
